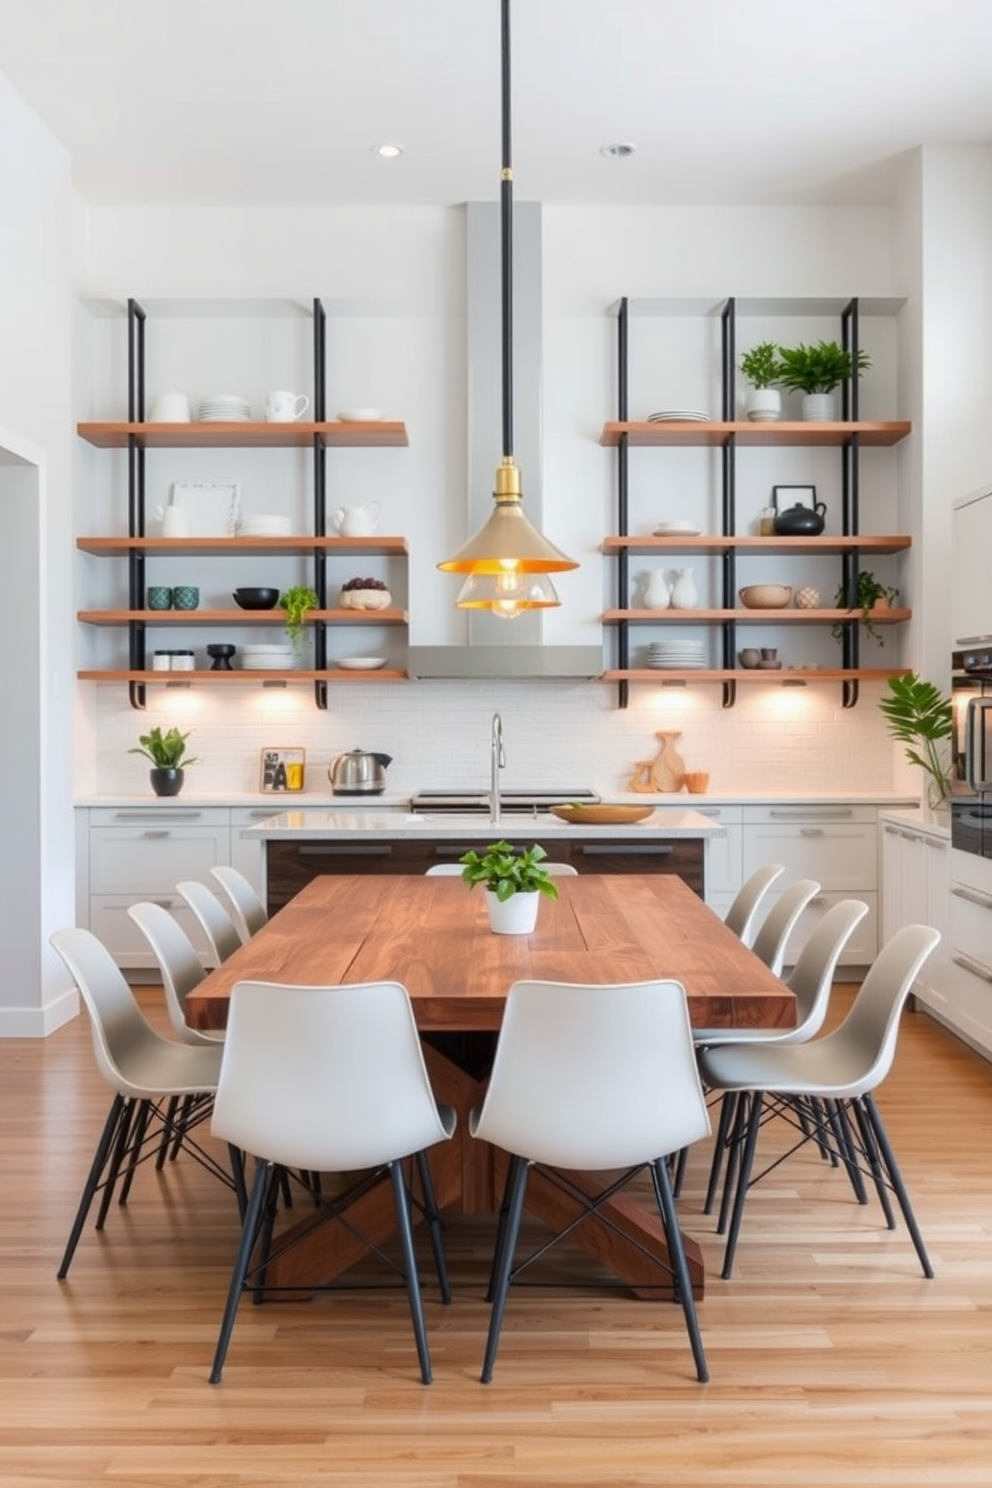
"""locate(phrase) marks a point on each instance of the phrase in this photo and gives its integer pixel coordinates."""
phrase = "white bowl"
(362, 663)
(360, 415)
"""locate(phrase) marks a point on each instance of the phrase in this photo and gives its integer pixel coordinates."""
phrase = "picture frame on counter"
(785, 496)
(282, 771)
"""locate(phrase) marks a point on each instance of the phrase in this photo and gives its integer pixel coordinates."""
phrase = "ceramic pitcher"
(684, 593)
(356, 521)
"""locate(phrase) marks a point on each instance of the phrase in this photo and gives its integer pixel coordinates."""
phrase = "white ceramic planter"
(818, 408)
(763, 405)
(514, 916)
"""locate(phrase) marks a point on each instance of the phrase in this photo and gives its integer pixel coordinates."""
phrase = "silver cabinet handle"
(937, 845)
(709, 810)
(891, 831)
(167, 903)
(972, 896)
(809, 813)
(160, 832)
(147, 816)
(971, 640)
(657, 850)
(818, 899)
(345, 850)
(912, 836)
(811, 831)
(975, 967)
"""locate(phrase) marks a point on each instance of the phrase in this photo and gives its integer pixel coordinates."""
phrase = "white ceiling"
(281, 101)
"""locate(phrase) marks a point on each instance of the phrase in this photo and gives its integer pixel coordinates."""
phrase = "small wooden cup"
(696, 781)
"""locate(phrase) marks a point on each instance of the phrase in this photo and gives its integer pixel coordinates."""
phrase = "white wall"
(407, 268)
(37, 515)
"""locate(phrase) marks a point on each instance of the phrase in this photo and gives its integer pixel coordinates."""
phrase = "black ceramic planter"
(167, 782)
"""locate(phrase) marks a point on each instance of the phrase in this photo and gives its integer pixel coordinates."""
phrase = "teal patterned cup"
(159, 597)
(185, 597)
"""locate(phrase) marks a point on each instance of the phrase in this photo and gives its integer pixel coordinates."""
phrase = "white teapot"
(356, 521)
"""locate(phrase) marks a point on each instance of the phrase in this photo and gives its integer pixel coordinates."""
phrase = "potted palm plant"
(919, 715)
(167, 753)
(514, 882)
(815, 371)
(762, 368)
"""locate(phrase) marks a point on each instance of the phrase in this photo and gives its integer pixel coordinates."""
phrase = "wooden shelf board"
(225, 678)
(116, 547)
(238, 617)
(751, 617)
(880, 434)
(384, 433)
(750, 674)
(826, 546)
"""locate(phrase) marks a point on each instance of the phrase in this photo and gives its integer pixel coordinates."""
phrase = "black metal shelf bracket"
(320, 498)
(136, 691)
(623, 505)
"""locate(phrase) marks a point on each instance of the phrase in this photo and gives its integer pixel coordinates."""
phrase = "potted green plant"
(871, 595)
(762, 368)
(167, 753)
(815, 371)
(919, 715)
(297, 603)
(514, 882)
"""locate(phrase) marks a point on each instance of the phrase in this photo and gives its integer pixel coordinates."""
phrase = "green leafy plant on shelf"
(297, 603)
(869, 593)
(505, 872)
(761, 365)
(166, 751)
(920, 716)
(819, 368)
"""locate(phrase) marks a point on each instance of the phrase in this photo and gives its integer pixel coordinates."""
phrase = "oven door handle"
(975, 762)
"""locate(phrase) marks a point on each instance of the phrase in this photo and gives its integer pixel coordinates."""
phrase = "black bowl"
(221, 649)
(256, 599)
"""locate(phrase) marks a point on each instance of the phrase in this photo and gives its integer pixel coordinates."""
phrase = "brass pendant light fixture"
(507, 561)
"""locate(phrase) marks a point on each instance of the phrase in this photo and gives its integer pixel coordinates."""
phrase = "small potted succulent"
(815, 371)
(514, 882)
(762, 368)
(871, 596)
(365, 594)
(167, 753)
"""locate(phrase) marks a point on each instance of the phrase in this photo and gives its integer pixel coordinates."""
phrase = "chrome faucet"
(497, 762)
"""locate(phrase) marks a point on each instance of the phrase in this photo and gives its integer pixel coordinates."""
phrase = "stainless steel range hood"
(493, 647)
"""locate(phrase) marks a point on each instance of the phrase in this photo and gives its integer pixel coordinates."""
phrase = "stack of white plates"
(676, 529)
(677, 655)
(678, 416)
(225, 408)
(266, 526)
(267, 658)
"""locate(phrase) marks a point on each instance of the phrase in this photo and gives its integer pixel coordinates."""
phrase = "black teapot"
(801, 521)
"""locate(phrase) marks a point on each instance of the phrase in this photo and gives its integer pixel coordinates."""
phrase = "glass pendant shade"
(507, 594)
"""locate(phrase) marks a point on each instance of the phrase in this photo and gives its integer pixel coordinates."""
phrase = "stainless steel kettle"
(358, 773)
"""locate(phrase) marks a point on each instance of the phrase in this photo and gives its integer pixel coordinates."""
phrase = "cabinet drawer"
(860, 950)
(971, 928)
(143, 861)
(839, 855)
(111, 924)
(810, 815)
(160, 816)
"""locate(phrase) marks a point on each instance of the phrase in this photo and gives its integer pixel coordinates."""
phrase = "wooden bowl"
(601, 815)
(765, 596)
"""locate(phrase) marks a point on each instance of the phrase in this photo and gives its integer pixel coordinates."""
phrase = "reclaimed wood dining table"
(432, 934)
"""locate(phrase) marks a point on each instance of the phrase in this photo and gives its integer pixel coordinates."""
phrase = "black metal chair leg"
(734, 1147)
(847, 1147)
(433, 1218)
(676, 1251)
(504, 1210)
(115, 1116)
(873, 1158)
(752, 1105)
(402, 1201)
(727, 1109)
(681, 1164)
(517, 1188)
(238, 1179)
(168, 1131)
(895, 1178)
(249, 1231)
(135, 1142)
(116, 1160)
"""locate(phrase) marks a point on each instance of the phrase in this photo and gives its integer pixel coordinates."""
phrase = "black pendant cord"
(506, 238)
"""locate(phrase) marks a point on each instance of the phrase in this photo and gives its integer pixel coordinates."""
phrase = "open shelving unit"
(849, 436)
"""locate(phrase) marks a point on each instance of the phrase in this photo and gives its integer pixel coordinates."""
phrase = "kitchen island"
(299, 846)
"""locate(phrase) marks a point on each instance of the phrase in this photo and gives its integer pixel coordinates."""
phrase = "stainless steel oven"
(971, 804)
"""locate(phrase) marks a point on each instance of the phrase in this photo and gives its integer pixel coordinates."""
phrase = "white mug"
(284, 408)
(170, 408)
(174, 523)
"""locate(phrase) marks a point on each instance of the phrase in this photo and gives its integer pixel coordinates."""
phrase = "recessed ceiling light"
(618, 151)
(387, 152)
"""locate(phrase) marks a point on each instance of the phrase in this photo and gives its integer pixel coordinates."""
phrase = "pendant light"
(508, 560)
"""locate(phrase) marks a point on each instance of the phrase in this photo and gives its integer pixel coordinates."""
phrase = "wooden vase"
(668, 770)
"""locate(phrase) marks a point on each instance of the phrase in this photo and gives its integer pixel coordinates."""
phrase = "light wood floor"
(833, 1361)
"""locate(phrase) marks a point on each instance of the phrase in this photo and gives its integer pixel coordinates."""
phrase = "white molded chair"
(341, 1087)
(179, 964)
(150, 1075)
(247, 910)
(839, 1071)
(448, 870)
(771, 938)
(742, 915)
(592, 1078)
(811, 979)
(212, 917)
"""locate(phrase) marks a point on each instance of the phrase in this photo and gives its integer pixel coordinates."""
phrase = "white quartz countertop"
(351, 826)
(885, 800)
(917, 821)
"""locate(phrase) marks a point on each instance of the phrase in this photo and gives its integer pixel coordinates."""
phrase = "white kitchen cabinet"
(134, 854)
(723, 873)
(972, 602)
(914, 891)
(248, 853)
(834, 844)
(964, 1002)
